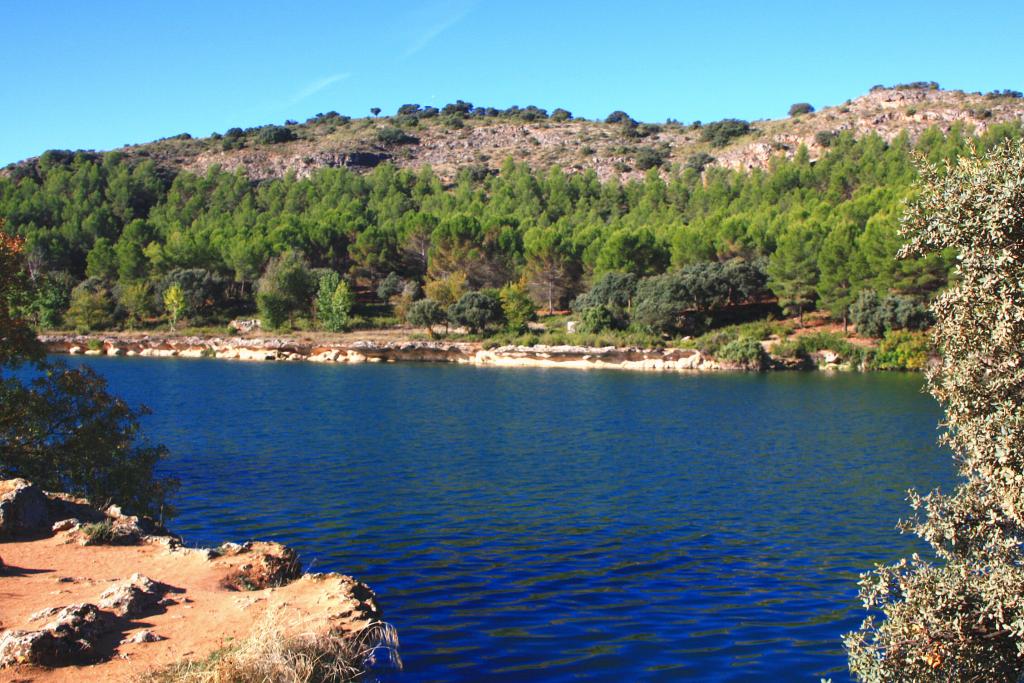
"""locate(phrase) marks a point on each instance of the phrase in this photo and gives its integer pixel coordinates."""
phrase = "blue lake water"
(555, 525)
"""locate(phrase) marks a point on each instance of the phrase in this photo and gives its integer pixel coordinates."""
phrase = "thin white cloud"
(433, 31)
(316, 86)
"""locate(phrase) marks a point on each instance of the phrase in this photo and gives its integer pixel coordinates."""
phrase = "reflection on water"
(556, 525)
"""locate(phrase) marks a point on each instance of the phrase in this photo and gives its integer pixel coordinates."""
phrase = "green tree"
(721, 133)
(333, 303)
(284, 289)
(517, 308)
(426, 313)
(662, 301)
(92, 307)
(793, 269)
(476, 311)
(633, 251)
(102, 260)
(62, 430)
(51, 295)
(614, 292)
(390, 286)
(837, 275)
(174, 303)
(960, 616)
(550, 270)
(446, 290)
(134, 298)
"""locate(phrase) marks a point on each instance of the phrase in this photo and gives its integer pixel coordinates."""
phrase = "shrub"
(746, 352)
(619, 117)
(426, 313)
(476, 311)
(699, 161)
(649, 157)
(721, 133)
(270, 135)
(99, 533)
(389, 135)
(825, 138)
(800, 108)
(390, 286)
(903, 350)
(873, 315)
(597, 319)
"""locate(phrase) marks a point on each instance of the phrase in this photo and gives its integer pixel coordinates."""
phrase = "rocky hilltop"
(91, 594)
(619, 149)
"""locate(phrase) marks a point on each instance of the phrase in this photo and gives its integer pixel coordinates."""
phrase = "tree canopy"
(959, 616)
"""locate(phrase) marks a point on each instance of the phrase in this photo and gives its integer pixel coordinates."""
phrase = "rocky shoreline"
(364, 351)
(95, 594)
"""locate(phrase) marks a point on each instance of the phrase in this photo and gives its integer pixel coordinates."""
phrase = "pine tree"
(793, 269)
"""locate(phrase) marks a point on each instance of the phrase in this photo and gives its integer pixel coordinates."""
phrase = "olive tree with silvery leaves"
(959, 616)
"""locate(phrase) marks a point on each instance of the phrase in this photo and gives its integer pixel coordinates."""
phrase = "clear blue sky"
(97, 75)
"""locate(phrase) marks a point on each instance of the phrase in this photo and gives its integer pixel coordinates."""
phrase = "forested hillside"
(109, 235)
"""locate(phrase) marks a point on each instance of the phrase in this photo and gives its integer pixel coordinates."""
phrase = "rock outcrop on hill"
(608, 149)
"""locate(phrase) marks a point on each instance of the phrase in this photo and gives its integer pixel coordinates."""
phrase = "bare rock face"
(132, 597)
(69, 639)
(23, 508)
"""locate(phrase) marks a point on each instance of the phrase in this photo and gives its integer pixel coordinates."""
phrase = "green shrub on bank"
(903, 350)
(712, 342)
(801, 347)
(745, 351)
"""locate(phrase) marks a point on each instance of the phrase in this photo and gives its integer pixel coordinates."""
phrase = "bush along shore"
(732, 349)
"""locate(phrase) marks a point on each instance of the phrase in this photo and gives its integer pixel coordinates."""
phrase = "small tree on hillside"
(793, 270)
(333, 302)
(174, 303)
(426, 313)
(517, 308)
(284, 289)
(446, 290)
(961, 616)
(836, 271)
(476, 311)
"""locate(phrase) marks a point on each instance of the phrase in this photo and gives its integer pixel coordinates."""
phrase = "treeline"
(107, 237)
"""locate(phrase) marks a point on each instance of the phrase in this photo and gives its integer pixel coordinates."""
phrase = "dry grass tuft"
(271, 656)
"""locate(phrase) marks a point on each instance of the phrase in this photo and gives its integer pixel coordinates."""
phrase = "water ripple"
(551, 525)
